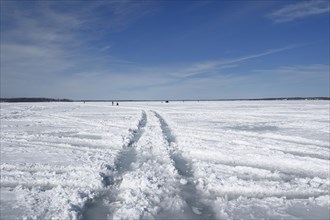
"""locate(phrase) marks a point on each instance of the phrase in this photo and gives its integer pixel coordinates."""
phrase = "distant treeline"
(33, 100)
(180, 100)
(205, 100)
(290, 98)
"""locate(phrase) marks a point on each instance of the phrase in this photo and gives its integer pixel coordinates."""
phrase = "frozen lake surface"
(186, 160)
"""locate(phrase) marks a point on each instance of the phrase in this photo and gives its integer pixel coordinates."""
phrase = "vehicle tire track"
(127, 155)
(111, 176)
(184, 167)
(151, 190)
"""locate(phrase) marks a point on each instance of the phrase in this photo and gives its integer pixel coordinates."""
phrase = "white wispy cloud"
(105, 48)
(204, 67)
(57, 53)
(299, 10)
(44, 46)
(299, 73)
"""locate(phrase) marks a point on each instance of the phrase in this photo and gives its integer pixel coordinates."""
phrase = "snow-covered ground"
(186, 160)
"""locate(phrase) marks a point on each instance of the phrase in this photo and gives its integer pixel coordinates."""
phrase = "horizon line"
(42, 99)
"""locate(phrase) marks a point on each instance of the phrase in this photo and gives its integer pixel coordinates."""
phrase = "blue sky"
(164, 49)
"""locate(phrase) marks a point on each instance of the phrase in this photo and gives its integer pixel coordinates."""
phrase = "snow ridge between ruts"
(151, 187)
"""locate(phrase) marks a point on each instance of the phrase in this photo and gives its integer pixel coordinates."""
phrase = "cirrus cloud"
(299, 10)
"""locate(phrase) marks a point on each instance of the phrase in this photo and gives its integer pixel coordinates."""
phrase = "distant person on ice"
(117, 103)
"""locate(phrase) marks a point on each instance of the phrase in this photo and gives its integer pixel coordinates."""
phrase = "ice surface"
(191, 160)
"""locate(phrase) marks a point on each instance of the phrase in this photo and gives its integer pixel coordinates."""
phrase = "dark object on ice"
(166, 101)
(117, 103)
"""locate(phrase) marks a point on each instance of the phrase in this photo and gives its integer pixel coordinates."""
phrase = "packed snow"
(177, 160)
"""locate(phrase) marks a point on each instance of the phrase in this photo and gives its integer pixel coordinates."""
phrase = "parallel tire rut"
(184, 168)
(112, 176)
